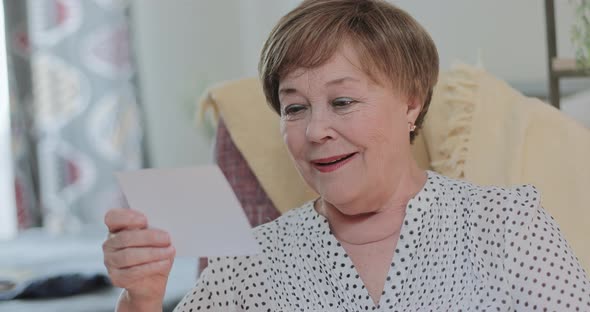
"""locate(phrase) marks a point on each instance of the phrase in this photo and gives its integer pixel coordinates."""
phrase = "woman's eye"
(342, 102)
(293, 109)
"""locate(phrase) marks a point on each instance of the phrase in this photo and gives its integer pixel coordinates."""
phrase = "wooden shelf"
(567, 68)
(558, 68)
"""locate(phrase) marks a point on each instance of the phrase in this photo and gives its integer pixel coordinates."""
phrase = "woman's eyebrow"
(291, 90)
(341, 81)
(287, 91)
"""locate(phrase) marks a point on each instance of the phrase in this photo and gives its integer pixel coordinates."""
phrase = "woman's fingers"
(124, 219)
(126, 277)
(137, 238)
(135, 256)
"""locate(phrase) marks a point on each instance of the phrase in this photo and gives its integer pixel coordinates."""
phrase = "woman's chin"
(343, 202)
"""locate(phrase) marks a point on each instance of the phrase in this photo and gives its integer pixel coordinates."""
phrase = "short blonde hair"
(389, 42)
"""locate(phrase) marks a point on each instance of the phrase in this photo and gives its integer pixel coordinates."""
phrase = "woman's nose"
(319, 128)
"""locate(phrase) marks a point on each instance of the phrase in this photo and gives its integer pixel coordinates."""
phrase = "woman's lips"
(332, 163)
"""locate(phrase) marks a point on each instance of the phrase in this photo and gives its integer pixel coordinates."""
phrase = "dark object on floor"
(62, 285)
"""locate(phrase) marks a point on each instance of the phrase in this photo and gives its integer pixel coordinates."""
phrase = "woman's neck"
(383, 221)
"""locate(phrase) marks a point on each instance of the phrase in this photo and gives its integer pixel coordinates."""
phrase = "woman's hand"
(138, 259)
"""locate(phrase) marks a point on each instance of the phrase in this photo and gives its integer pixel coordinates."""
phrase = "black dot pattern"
(462, 247)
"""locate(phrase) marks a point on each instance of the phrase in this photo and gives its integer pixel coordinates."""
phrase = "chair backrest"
(258, 207)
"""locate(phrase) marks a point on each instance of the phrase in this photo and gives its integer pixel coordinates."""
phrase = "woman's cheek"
(293, 139)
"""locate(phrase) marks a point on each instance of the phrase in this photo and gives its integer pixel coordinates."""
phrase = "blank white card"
(196, 206)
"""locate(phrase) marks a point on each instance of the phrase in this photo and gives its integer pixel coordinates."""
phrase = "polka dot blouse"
(462, 247)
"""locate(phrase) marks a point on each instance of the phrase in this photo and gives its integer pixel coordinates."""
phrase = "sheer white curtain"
(8, 222)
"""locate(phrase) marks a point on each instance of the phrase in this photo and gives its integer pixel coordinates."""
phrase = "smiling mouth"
(332, 163)
(332, 160)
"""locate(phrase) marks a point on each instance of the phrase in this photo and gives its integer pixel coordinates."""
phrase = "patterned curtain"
(80, 99)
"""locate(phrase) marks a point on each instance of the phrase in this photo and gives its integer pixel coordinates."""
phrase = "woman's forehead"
(344, 62)
(342, 66)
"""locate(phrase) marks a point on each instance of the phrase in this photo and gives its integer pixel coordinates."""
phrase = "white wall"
(510, 34)
(183, 45)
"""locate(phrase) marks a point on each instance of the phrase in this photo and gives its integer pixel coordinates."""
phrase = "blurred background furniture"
(558, 68)
(38, 254)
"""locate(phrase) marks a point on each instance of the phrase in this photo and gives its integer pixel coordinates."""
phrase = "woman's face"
(348, 136)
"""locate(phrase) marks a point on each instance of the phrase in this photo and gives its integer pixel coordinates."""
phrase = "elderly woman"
(352, 81)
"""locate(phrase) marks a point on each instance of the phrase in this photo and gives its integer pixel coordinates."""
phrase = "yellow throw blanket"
(481, 130)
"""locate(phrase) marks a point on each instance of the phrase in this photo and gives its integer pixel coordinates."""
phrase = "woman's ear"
(414, 109)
